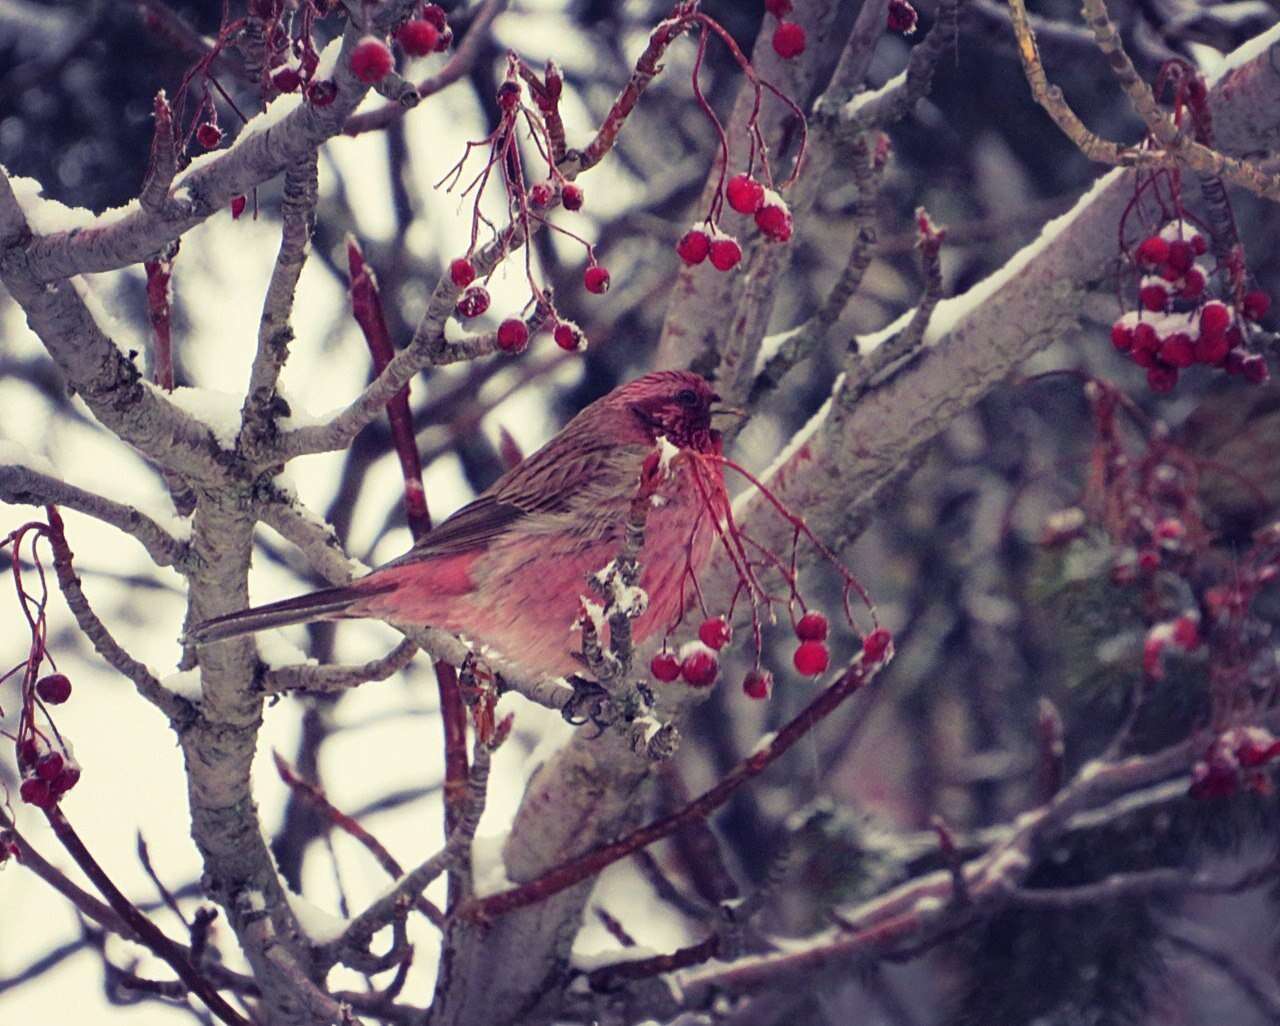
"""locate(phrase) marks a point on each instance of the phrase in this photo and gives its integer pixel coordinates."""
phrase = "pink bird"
(507, 570)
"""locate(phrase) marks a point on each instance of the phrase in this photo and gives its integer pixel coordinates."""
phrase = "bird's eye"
(687, 397)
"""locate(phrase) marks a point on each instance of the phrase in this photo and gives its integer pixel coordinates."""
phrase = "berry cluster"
(1178, 323)
(1235, 759)
(747, 196)
(48, 772)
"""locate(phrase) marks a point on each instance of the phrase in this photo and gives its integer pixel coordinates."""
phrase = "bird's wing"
(555, 479)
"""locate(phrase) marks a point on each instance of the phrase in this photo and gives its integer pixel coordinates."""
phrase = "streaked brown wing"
(549, 481)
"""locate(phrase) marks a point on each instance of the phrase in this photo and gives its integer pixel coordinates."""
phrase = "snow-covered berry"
(774, 219)
(744, 194)
(699, 666)
(693, 246)
(1153, 251)
(715, 632)
(569, 336)
(725, 253)
(664, 667)
(541, 194)
(473, 302)
(208, 135)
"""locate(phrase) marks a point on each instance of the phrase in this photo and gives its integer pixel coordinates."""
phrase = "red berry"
(322, 93)
(446, 39)
(473, 302)
(1186, 632)
(744, 194)
(513, 335)
(1255, 370)
(462, 272)
(1169, 273)
(774, 221)
(508, 95)
(788, 40)
(1212, 349)
(208, 135)
(434, 13)
(665, 667)
(1181, 255)
(569, 336)
(541, 195)
(1177, 350)
(1234, 362)
(287, 80)
(1153, 250)
(596, 279)
(237, 206)
(725, 253)
(65, 780)
(1153, 297)
(1145, 337)
(875, 645)
(902, 17)
(699, 667)
(1199, 245)
(1145, 358)
(1255, 304)
(1215, 318)
(758, 684)
(49, 766)
(307, 63)
(693, 246)
(715, 633)
(54, 689)
(29, 749)
(418, 38)
(1162, 379)
(1192, 284)
(1122, 337)
(778, 8)
(811, 658)
(1149, 560)
(812, 627)
(370, 60)
(571, 196)
(37, 792)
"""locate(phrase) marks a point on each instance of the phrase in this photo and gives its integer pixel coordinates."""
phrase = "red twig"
(159, 272)
(151, 935)
(366, 307)
(592, 862)
(609, 976)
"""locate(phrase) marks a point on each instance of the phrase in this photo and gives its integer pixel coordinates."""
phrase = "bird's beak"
(728, 411)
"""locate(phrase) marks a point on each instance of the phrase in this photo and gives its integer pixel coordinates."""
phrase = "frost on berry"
(418, 38)
(788, 40)
(473, 302)
(811, 658)
(715, 632)
(773, 218)
(371, 60)
(664, 667)
(699, 665)
(461, 272)
(596, 279)
(758, 684)
(208, 135)
(571, 196)
(541, 194)
(694, 246)
(569, 337)
(724, 252)
(744, 194)
(513, 335)
(902, 17)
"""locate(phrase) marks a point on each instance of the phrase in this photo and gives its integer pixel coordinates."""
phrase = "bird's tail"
(326, 604)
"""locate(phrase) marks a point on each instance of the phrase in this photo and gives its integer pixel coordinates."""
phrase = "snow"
(929, 905)
(320, 926)
(14, 455)
(219, 411)
(595, 611)
(328, 59)
(1242, 55)
(119, 333)
(695, 647)
(488, 870)
(276, 650)
(589, 961)
(764, 742)
(666, 453)
(800, 439)
(277, 110)
(853, 108)
(185, 684)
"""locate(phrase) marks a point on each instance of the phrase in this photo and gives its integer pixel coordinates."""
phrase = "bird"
(507, 572)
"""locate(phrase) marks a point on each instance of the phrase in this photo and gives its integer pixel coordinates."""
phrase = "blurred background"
(989, 621)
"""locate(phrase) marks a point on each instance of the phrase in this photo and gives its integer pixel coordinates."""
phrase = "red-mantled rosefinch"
(507, 571)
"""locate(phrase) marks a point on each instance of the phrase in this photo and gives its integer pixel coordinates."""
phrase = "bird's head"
(677, 404)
